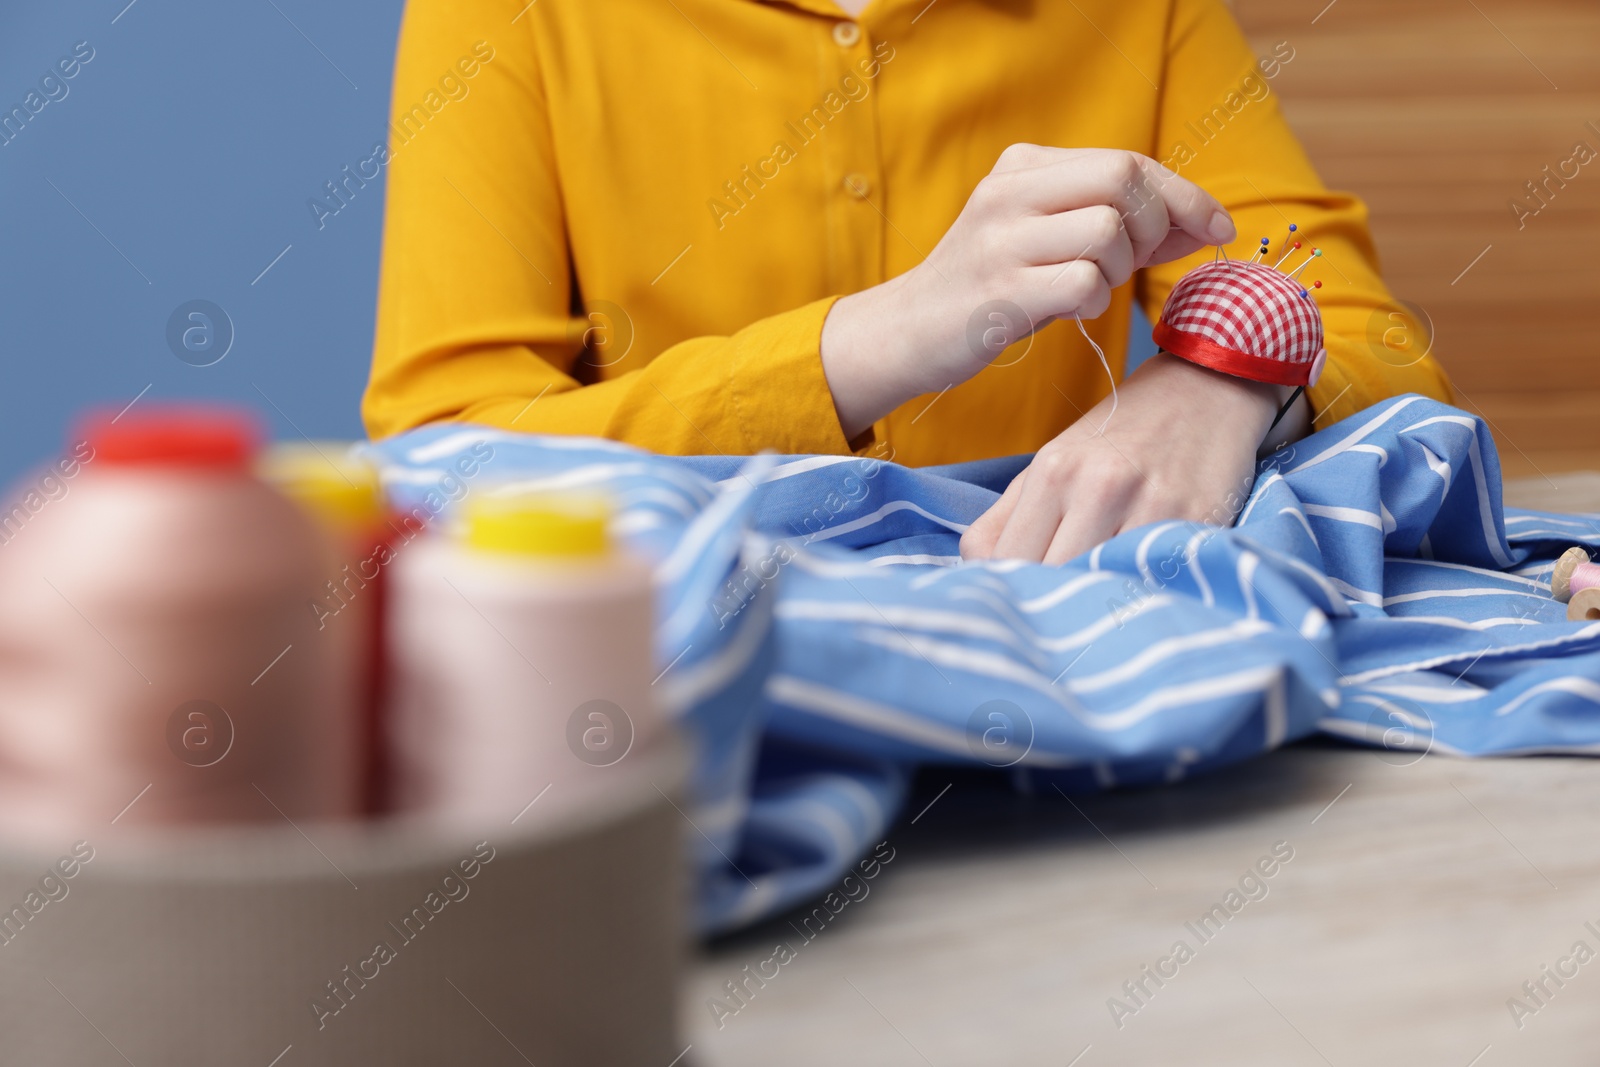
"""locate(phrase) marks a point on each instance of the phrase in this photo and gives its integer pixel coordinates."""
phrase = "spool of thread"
(342, 493)
(523, 658)
(1584, 605)
(158, 664)
(1573, 572)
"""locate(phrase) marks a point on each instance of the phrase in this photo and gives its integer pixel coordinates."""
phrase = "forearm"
(761, 387)
(861, 353)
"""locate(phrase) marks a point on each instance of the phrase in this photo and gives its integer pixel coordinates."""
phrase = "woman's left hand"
(1182, 445)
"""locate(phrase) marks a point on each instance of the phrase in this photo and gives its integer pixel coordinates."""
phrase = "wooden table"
(1421, 895)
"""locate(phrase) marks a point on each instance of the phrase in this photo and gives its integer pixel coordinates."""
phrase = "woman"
(730, 225)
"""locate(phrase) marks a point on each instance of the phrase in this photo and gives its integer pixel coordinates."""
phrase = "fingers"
(1076, 288)
(1176, 245)
(978, 541)
(1091, 233)
(1098, 501)
(1024, 156)
(1033, 522)
(1150, 199)
(1189, 208)
(1083, 527)
(1060, 507)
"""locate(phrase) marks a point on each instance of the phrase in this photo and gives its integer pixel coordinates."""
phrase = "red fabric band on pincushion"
(1230, 361)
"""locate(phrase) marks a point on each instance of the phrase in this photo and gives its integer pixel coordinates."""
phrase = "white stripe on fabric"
(722, 816)
(1470, 656)
(1303, 522)
(686, 686)
(1480, 572)
(1576, 686)
(1119, 613)
(1366, 428)
(450, 444)
(594, 474)
(844, 836)
(1248, 562)
(1430, 594)
(1491, 537)
(1465, 624)
(1551, 519)
(1438, 465)
(1554, 535)
(1381, 453)
(876, 717)
(1061, 592)
(1192, 550)
(848, 789)
(712, 523)
(920, 619)
(1341, 514)
(1260, 491)
(1336, 599)
(1178, 696)
(973, 661)
(788, 470)
(1360, 596)
(1136, 665)
(1141, 555)
(1458, 693)
(882, 513)
(960, 624)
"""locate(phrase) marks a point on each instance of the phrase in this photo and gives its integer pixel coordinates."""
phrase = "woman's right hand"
(1051, 231)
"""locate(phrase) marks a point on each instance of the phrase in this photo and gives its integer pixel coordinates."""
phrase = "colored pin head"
(1316, 253)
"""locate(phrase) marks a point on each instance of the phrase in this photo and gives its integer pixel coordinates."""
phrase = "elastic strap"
(1287, 404)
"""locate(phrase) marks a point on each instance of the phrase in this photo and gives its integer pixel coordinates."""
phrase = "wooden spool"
(1561, 577)
(1584, 606)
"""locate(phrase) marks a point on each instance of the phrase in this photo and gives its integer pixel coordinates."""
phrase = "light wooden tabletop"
(1421, 895)
(1413, 908)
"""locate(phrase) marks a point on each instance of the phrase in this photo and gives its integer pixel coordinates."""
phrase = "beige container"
(555, 940)
(159, 661)
(523, 658)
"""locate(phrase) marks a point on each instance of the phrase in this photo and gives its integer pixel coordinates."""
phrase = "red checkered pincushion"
(1247, 320)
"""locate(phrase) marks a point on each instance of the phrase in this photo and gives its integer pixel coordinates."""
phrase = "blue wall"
(176, 167)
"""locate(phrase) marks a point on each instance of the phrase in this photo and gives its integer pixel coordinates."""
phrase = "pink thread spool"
(1573, 572)
(158, 663)
(1576, 581)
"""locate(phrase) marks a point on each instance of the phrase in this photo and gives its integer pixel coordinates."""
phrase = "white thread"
(1107, 365)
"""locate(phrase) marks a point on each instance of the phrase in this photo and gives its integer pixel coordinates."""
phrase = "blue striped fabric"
(820, 636)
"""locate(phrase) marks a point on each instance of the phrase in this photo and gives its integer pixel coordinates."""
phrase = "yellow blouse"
(629, 218)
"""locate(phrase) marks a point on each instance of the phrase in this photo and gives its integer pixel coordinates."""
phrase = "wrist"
(863, 353)
(1247, 404)
(880, 349)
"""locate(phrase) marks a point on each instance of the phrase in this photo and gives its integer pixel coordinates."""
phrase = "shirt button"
(846, 34)
(857, 185)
